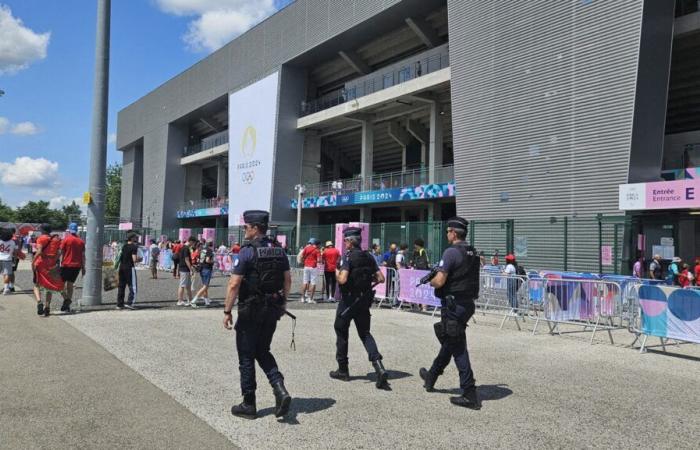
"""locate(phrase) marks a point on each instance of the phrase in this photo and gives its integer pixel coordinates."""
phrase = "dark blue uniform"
(262, 265)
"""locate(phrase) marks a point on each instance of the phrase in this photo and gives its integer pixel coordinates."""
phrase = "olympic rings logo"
(247, 177)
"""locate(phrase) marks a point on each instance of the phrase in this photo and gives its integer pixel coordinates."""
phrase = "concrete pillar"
(434, 212)
(312, 158)
(221, 179)
(365, 214)
(193, 182)
(436, 140)
(367, 159)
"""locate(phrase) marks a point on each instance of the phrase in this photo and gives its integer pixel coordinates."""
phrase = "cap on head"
(256, 216)
(458, 223)
(676, 259)
(352, 232)
(313, 241)
(329, 244)
(73, 228)
(510, 258)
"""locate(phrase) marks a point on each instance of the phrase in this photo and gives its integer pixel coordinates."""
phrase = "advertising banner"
(126, 226)
(420, 192)
(660, 195)
(409, 293)
(209, 234)
(184, 234)
(380, 289)
(670, 312)
(252, 120)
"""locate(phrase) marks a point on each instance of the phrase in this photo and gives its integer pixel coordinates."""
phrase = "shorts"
(6, 268)
(153, 263)
(206, 276)
(310, 276)
(185, 280)
(70, 274)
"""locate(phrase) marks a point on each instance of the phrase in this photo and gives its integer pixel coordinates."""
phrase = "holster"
(439, 329)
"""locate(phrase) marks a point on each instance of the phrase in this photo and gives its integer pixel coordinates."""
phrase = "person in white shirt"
(8, 249)
(511, 271)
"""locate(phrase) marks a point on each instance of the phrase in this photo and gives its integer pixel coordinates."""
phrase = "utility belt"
(357, 300)
(457, 299)
(257, 308)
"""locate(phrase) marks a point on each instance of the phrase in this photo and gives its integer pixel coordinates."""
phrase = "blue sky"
(46, 70)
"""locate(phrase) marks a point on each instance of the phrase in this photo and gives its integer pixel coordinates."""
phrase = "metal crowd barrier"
(504, 294)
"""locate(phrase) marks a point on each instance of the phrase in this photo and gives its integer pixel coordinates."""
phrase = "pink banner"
(606, 255)
(410, 293)
(339, 229)
(209, 234)
(126, 226)
(660, 195)
(380, 289)
(184, 234)
(282, 239)
(365, 233)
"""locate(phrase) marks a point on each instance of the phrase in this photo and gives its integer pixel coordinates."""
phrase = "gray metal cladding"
(543, 99)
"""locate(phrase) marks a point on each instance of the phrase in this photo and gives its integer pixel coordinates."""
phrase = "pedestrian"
(194, 257)
(377, 254)
(402, 257)
(457, 286)
(482, 259)
(47, 276)
(674, 269)
(696, 270)
(638, 267)
(310, 256)
(177, 248)
(390, 256)
(72, 263)
(15, 259)
(261, 280)
(222, 249)
(330, 257)
(128, 257)
(512, 285)
(153, 261)
(655, 268)
(8, 250)
(357, 276)
(185, 270)
(206, 267)
(494, 258)
(419, 259)
(685, 277)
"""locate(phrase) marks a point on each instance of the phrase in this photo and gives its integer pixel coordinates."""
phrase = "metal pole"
(300, 193)
(92, 287)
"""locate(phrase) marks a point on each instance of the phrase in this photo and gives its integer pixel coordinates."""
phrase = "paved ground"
(539, 391)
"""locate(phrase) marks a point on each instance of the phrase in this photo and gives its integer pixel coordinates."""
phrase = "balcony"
(203, 208)
(394, 75)
(385, 187)
(208, 143)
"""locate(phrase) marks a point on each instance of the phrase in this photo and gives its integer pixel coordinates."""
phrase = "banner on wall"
(252, 120)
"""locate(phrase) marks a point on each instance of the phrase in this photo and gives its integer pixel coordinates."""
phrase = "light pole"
(92, 290)
(301, 189)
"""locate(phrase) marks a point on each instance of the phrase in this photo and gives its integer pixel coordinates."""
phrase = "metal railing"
(205, 203)
(378, 81)
(207, 143)
(378, 182)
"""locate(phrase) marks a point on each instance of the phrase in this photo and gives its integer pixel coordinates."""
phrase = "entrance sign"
(252, 121)
(660, 195)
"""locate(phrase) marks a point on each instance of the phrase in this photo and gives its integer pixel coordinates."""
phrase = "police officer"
(261, 281)
(357, 275)
(457, 286)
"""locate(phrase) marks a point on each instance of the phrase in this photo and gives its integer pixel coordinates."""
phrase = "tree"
(6, 213)
(39, 212)
(113, 193)
(72, 211)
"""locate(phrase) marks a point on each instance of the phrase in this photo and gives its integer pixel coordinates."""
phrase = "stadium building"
(525, 116)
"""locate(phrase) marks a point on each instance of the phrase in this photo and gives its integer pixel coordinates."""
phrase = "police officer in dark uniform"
(457, 286)
(357, 275)
(261, 281)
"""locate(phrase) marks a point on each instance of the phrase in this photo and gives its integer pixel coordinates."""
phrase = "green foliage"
(113, 193)
(39, 212)
(6, 213)
(72, 211)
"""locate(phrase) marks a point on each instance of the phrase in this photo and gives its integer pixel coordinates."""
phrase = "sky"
(46, 72)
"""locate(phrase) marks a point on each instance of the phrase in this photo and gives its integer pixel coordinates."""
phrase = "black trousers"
(456, 346)
(253, 341)
(361, 316)
(330, 283)
(127, 277)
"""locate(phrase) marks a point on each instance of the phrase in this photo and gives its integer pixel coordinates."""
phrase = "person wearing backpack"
(419, 260)
(673, 271)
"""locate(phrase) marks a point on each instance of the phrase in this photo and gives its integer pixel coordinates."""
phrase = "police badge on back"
(260, 286)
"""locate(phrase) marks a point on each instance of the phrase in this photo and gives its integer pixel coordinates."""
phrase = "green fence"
(591, 244)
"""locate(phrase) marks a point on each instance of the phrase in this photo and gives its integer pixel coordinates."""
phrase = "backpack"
(520, 271)
(421, 260)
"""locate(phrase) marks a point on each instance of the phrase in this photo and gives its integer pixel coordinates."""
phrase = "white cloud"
(112, 138)
(24, 129)
(4, 125)
(59, 202)
(19, 45)
(218, 21)
(29, 172)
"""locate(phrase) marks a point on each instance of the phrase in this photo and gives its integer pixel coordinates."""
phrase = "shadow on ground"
(301, 406)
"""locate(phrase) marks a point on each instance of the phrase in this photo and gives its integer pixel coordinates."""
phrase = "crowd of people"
(677, 273)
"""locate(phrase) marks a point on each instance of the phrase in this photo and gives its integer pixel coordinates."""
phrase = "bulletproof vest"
(361, 275)
(266, 275)
(463, 281)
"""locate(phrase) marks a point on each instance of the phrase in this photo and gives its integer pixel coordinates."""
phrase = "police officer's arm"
(342, 276)
(234, 284)
(449, 260)
(439, 280)
(287, 283)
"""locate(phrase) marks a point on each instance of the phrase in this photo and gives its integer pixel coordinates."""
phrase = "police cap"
(352, 232)
(254, 216)
(458, 223)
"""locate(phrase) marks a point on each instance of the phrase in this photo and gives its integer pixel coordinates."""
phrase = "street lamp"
(301, 190)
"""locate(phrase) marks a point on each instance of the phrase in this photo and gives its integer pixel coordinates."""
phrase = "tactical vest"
(266, 275)
(463, 281)
(361, 276)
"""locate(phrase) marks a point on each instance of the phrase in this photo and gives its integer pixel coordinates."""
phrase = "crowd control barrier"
(387, 291)
(504, 294)
(666, 312)
(410, 292)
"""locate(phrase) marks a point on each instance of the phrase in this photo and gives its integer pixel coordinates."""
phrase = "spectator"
(72, 263)
(638, 268)
(186, 273)
(402, 257)
(685, 277)
(494, 258)
(696, 270)
(195, 251)
(419, 260)
(674, 269)
(655, 268)
(511, 271)
(482, 259)
(153, 262)
(177, 248)
(222, 249)
(45, 264)
(236, 248)
(310, 256)
(128, 257)
(390, 256)
(15, 258)
(377, 253)
(8, 250)
(330, 257)
(205, 271)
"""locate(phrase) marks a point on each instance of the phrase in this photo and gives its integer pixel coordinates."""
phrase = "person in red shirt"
(72, 263)
(310, 255)
(685, 277)
(46, 274)
(176, 258)
(696, 271)
(330, 257)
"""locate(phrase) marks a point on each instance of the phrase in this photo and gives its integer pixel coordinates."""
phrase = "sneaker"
(6, 291)
(12, 289)
(180, 303)
(128, 306)
(186, 304)
(312, 301)
(207, 301)
(194, 305)
(331, 299)
(40, 309)
(119, 307)
(195, 300)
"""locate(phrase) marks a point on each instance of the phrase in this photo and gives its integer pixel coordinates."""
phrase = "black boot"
(470, 399)
(282, 399)
(65, 307)
(382, 376)
(246, 409)
(428, 379)
(343, 373)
